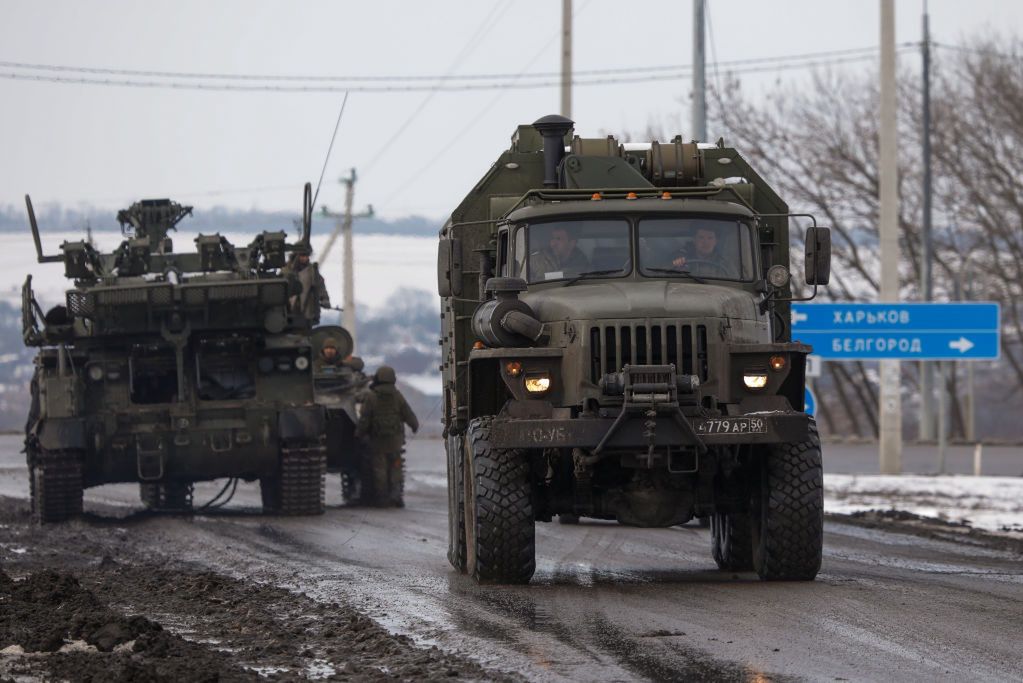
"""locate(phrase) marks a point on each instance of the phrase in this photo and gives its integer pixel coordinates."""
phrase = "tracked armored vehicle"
(616, 346)
(168, 368)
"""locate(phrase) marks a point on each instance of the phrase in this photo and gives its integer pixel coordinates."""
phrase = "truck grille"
(615, 346)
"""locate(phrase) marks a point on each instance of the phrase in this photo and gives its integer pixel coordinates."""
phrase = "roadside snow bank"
(992, 503)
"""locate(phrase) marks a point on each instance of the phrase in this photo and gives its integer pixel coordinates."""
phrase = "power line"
(268, 80)
(977, 51)
(488, 23)
(681, 72)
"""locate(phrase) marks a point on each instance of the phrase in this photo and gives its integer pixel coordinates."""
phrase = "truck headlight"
(755, 380)
(301, 363)
(96, 372)
(538, 383)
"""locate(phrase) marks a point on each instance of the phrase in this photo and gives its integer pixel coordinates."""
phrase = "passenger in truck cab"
(559, 259)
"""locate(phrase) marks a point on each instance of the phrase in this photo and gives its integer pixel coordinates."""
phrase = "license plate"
(732, 425)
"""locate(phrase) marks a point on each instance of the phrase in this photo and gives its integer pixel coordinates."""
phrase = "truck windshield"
(578, 248)
(709, 248)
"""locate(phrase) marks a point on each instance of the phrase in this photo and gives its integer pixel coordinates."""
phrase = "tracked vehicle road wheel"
(788, 512)
(172, 496)
(56, 488)
(732, 542)
(500, 529)
(456, 501)
(303, 474)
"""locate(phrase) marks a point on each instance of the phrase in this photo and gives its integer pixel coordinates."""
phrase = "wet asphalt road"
(611, 602)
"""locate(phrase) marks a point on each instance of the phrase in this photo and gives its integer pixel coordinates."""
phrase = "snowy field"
(990, 503)
(383, 264)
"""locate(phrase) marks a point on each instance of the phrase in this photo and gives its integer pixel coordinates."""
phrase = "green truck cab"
(168, 368)
(616, 346)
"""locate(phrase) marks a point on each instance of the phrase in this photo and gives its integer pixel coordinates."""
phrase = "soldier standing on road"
(385, 412)
(313, 294)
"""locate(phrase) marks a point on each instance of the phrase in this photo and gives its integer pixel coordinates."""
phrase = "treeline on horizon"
(54, 217)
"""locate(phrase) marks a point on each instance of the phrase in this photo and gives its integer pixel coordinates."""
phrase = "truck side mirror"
(449, 267)
(817, 264)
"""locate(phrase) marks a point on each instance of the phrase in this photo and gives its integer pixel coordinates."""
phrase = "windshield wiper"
(672, 271)
(591, 273)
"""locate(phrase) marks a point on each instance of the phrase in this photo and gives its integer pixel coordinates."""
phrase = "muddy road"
(894, 599)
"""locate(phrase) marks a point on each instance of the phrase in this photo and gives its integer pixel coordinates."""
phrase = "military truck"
(168, 368)
(599, 360)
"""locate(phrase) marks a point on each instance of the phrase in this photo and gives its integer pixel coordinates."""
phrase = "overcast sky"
(108, 145)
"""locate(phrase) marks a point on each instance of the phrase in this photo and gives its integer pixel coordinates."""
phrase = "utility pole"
(926, 431)
(699, 114)
(344, 228)
(891, 400)
(566, 58)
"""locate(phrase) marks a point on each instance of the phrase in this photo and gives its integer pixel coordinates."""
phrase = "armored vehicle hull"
(616, 347)
(167, 369)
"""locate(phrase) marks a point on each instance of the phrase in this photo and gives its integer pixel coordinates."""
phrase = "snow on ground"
(383, 263)
(991, 503)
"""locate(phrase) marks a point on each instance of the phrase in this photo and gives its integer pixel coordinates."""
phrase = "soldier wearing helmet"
(382, 420)
(329, 356)
(310, 291)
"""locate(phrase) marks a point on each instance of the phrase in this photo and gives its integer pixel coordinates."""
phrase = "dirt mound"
(93, 601)
(50, 612)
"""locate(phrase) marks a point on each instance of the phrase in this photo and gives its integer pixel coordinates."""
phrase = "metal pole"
(926, 432)
(348, 265)
(942, 414)
(566, 58)
(890, 450)
(699, 115)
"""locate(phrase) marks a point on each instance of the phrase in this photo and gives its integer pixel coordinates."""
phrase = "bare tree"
(818, 145)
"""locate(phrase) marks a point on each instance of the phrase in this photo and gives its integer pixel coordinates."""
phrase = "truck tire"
(173, 496)
(732, 540)
(56, 488)
(298, 488)
(500, 529)
(454, 448)
(788, 511)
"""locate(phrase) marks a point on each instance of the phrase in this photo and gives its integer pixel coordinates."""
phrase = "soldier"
(385, 412)
(329, 357)
(703, 257)
(560, 258)
(313, 295)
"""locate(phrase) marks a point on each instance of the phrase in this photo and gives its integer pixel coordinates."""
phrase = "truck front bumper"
(755, 428)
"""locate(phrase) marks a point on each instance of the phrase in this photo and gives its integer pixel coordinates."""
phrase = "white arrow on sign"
(798, 317)
(962, 345)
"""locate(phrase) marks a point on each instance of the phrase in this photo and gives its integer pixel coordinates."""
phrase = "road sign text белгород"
(910, 331)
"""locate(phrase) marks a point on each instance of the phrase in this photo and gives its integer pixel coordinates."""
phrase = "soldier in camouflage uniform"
(313, 293)
(382, 420)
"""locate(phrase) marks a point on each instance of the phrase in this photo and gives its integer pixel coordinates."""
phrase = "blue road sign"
(914, 331)
(809, 402)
